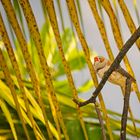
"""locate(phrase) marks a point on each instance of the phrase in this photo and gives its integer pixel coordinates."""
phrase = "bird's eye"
(96, 59)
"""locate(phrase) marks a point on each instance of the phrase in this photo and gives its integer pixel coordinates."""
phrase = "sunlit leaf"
(8, 117)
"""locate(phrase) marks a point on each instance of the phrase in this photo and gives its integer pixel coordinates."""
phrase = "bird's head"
(99, 62)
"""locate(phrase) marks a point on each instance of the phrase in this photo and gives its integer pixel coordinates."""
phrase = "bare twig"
(125, 73)
(100, 120)
(112, 68)
(125, 109)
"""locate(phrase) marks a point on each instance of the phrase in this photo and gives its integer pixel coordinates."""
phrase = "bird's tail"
(133, 87)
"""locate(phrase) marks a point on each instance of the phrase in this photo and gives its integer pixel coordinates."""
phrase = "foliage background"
(113, 101)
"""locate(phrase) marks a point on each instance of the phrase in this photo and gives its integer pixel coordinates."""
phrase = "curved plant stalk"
(101, 28)
(17, 50)
(19, 14)
(51, 12)
(118, 38)
(119, 41)
(13, 91)
(65, 101)
(37, 39)
(12, 57)
(12, 19)
(75, 37)
(117, 13)
(34, 107)
(116, 10)
(106, 42)
(55, 115)
(100, 9)
(136, 10)
(44, 9)
(80, 15)
(61, 15)
(8, 117)
(128, 19)
(74, 18)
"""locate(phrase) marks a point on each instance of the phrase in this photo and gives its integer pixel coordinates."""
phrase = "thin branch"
(125, 73)
(125, 109)
(100, 120)
(112, 68)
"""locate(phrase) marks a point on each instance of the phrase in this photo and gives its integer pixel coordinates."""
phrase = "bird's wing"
(122, 71)
(109, 63)
(125, 73)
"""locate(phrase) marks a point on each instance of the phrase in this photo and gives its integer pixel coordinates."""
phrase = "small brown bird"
(118, 77)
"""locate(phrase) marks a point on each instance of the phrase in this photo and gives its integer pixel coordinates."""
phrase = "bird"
(118, 77)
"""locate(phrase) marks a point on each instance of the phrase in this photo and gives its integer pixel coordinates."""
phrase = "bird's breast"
(115, 77)
(102, 71)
